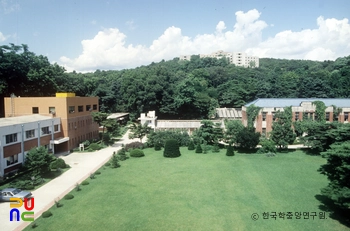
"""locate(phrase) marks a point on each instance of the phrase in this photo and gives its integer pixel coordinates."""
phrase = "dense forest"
(174, 89)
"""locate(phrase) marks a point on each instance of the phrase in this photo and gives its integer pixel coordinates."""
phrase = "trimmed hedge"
(68, 197)
(85, 182)
(171, 149)
(230, 151)
(199, 148)
(191, 146)
(137, 153)
(46, 214)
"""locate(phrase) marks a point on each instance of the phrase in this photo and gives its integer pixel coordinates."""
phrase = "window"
(30, 134)
(311, 115)
(12, 160)
(71, 109)
(52, 110)
(35, 110)
(56, 128)
(45, 131)
(80, 108)
(346, 116)
(264, 116)
(11, 138)
(94, 107)
(264, 131)
(88, 107)
(273, 116)
(327, 116)
(296, 118)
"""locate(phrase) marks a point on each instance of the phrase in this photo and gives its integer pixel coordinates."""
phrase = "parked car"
(8, 193)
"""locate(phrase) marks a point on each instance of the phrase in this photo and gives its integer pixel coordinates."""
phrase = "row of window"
(81, 123)
(310, 115)
(11, 138)
(11, 160)
(71, 109)
(77, 140)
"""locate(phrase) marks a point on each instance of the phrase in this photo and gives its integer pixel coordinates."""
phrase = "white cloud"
(108, 49)
(329, 41)
(2, 37)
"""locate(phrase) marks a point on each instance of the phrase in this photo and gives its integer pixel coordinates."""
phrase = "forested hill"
(175, 89)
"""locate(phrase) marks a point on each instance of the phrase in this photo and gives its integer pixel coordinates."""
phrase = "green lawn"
(197, 192)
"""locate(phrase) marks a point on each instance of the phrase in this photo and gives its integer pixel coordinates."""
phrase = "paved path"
(82, 165)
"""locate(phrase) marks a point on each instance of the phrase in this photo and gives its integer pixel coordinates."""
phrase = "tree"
(282, 132)
(267, 146)
(114, 161)
(337, 171)
(232, 129)
(207, 132)
(252, 112)
(38, 159)
(199, 148)
(139, 131)
(100, 118)
(248, 138)
(171, 149)
(191, 145)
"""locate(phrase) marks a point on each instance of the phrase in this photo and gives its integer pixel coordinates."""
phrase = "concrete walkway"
(82, 165)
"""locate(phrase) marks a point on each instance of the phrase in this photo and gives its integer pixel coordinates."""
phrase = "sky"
(86, 35)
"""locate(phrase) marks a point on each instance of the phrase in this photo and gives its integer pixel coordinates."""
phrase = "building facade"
(74, 113)
(238, 58)
(301, 108)
(20, 134)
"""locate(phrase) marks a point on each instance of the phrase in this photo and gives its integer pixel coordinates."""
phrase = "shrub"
(77, 187)
(157, 146)
(199, 148)
(122, 154)
(205, 148)
(34, 225)
(46, 214)
(267, 146)
(182, 137)
(133, 145)
(114, 162)
(58, 204)
(94, 147)
(92, 176)
(171, 149)
(137, 153)
(97, 173)
(215, 148)
(191, 146)
(230, 151)
(85, 182)
(68, 197)
(107, 164)
(86, 143)
(58, 163)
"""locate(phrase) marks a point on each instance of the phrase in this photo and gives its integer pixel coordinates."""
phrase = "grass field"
(197, 192)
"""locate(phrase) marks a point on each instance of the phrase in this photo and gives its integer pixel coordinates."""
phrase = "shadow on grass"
(284, 151)
(343, 216)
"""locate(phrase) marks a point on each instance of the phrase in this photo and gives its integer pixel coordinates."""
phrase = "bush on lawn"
(157, 146)
(171, 149)
(137, 153)
(97, 173)
(68, 197)
(230, 151)
(122, 154)
(191, 146)
(199, 148)
(267, 146)
(85, 182)
(114, 161)
(215, 148)
(134, 145)
(46, 214)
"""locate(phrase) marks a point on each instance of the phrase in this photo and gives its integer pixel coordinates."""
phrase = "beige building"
(74, 113)
(301, 108)
(238, 58)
